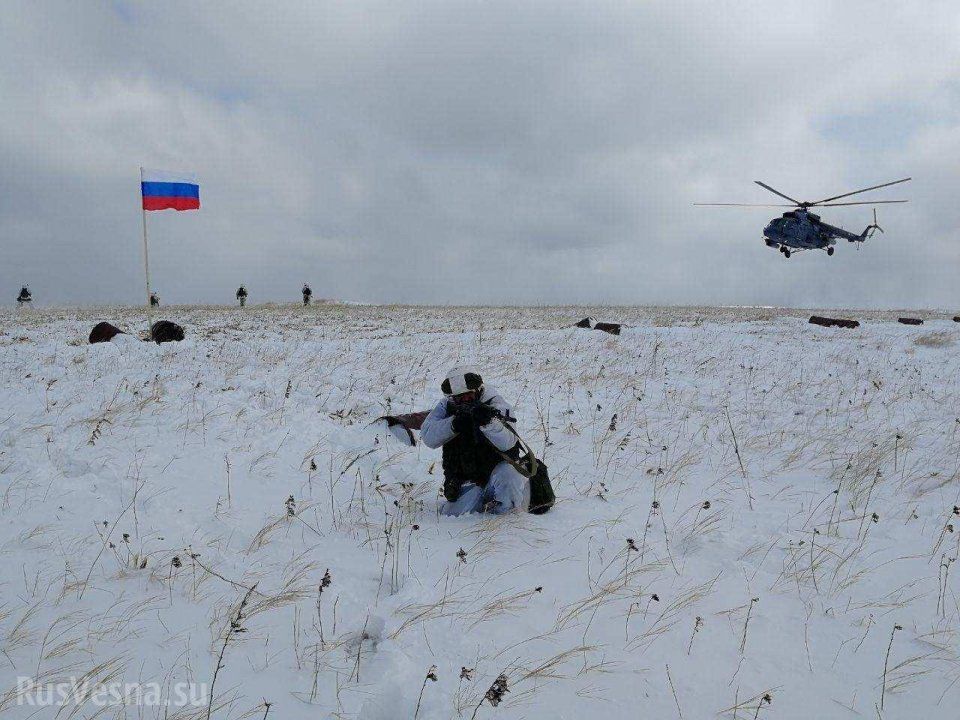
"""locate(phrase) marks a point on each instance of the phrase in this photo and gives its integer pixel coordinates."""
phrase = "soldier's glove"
(483, 414)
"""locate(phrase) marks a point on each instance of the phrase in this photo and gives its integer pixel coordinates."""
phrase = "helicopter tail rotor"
(872, 228)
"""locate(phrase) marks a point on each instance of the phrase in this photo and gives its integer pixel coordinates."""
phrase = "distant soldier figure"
(307, 293)
(24, 297)
(154, 300)
(242, 295)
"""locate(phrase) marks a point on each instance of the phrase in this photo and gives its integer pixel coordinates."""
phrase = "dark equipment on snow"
(800, 229)
(833, 322)
(910, 321)
(956, 318)
(612, 328)
(24, 296)
(542, 497)
(165, 331)
(104, 332)
(588, 323)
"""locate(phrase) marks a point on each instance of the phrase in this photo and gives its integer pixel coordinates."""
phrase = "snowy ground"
(790, 492)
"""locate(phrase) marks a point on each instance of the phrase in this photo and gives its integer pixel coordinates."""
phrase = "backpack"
(542, 497)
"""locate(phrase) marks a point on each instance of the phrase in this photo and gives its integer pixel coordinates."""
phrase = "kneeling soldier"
(473, 426)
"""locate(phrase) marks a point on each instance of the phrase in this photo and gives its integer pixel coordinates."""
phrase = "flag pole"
(146, 251)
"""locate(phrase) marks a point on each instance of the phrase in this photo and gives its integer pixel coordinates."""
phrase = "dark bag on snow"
(542, 496)
(165, 331)
(104, 332)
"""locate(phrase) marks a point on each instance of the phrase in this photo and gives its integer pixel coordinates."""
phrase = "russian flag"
(169, 191)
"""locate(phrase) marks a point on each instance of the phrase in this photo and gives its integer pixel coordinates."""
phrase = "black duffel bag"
(542, 496)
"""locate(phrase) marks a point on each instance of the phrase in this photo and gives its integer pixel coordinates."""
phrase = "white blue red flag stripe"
(169, 191)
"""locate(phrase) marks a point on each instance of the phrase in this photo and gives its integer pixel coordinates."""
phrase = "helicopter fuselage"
(803, 230)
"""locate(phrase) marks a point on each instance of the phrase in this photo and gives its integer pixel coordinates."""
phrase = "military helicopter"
(800, 229)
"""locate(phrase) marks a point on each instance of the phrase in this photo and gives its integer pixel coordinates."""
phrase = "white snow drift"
(756, 517)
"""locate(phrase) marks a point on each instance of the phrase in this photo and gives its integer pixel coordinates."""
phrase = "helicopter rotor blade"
(857, 192)
(863, 202)
(777, 192)
(738, 205)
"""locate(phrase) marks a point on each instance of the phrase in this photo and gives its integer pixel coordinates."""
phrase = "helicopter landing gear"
(829, 251)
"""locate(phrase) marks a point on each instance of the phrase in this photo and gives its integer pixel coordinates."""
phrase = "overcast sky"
(478, 152)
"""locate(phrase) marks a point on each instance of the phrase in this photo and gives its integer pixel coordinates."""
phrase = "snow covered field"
(756, 516)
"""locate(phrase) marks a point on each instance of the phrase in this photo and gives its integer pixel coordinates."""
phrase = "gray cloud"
(476, 152)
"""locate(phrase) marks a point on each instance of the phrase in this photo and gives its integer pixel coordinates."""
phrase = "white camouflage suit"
(507, 489)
